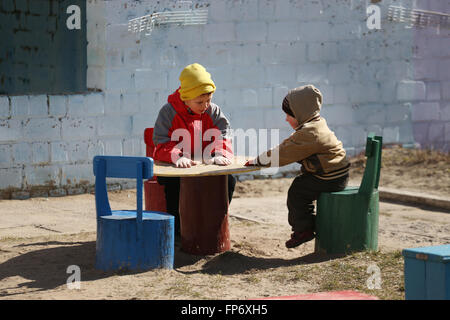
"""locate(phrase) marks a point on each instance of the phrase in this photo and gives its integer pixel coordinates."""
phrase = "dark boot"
(297, 238)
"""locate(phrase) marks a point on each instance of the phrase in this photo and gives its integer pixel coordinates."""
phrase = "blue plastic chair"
(130, 239)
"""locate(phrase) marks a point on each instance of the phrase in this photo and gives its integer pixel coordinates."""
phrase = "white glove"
(184, 162)
(219, 160)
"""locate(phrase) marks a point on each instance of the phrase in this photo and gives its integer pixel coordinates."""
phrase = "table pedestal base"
(204, 214)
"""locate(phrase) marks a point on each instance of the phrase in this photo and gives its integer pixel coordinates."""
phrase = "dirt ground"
(41, 237)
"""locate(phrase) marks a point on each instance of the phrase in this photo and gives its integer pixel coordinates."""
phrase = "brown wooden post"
(204, 214)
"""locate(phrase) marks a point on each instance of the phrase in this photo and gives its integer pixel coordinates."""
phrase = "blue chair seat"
(131, 214)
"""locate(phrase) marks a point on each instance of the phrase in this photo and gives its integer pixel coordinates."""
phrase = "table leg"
(204, 214)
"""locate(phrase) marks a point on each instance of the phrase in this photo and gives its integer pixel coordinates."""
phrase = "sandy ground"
(41, 237)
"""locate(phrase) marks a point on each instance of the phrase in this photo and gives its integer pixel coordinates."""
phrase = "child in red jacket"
(190, 129)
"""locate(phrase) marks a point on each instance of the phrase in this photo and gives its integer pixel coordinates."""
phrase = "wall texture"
(38, 50)
(394, 81)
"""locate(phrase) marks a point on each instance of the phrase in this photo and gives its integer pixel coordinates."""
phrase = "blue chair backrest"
(138, 168)
(124, 167)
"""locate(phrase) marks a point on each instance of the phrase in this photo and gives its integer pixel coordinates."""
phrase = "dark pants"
(303, 191)
(172, 191)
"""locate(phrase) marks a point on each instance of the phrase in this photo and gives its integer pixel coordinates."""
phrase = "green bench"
(347, 221)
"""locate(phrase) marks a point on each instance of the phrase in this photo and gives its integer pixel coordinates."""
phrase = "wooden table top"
(164, 169)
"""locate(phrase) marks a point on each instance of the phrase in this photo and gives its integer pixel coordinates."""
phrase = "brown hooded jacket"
(312, 144)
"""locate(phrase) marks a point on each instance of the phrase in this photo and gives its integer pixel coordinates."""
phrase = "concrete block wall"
(391, 81)
(428, 94)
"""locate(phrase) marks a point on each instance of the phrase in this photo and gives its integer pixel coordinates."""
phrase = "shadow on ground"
(46, 269)
(232, 262)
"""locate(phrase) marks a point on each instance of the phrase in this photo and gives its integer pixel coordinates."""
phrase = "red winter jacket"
(193, 142)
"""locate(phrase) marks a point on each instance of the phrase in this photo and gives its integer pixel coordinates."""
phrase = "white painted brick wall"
(398, 113)
(279, 93)
(391, 134)
(445, 90)
(133, 146)
(57, 105)
(75, 128)
(388, 91)
(142, 121)
(40, 152)
(113, 147)
(312, 72)
(371, 114)
(253, 77)
(95, 147)
(94, 104)
(220, 32)
(323, 52)
(5, 155)
(148, 103)
(37, 105)
(393, 81)
(73, 174)
(131, 103)
(147, 79)
(340, 94)
(114, 126)
(249, 98)
(112, 103)
(420, 131)
(447, 131)
(436, 133)
(363, 92)
(283, 31)
(20, 106)
(445, 112)
(443, 66)
(58, 152)
(37, 175)
(10, 130)
(4, 107)
(338, 114)
(11, 178)
(411, 90)
(279, 75)
(425, 111)
(254, 31)
(21, 153)
(42, 129)
(275, 119)
(77, 151)
(433, 90)
(118, 80)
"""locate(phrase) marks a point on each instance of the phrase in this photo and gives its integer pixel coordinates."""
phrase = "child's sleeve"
(293, 149)
(165, 149)
(223, 145)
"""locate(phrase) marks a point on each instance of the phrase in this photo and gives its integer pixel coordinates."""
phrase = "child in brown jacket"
(325, 167)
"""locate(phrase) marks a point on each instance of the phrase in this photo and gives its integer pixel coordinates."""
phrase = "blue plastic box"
(427, 273)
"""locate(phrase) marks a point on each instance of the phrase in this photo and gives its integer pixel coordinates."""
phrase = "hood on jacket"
(305, 102)
(180, 107)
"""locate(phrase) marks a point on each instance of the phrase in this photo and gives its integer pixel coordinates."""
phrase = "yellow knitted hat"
(195, 81)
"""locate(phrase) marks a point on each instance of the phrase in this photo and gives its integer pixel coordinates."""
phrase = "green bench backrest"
(371, 175)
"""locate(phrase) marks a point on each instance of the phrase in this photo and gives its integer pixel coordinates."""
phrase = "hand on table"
(184, 162)
(251, 162)
(219, 160)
